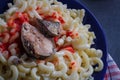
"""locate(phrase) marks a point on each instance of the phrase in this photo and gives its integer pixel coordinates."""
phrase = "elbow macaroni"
(34, 74)
(15, 72)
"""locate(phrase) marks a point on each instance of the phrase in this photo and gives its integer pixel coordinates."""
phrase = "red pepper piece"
(56, 39)
(69, 48)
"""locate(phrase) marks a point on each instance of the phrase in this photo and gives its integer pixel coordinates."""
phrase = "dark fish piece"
(35, 43)
(49, 29)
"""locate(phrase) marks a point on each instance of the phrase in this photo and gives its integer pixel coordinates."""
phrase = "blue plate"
(100, 41)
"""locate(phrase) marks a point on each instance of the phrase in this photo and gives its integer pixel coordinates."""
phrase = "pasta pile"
(74, 59)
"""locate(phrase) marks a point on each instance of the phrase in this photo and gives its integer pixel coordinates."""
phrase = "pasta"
(74, 58)
(34, 74)
(2, 59)
(14, 72)
(1, 78)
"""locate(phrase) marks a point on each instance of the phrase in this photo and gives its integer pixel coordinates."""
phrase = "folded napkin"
(113, 72)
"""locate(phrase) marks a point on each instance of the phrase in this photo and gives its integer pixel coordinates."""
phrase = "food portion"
(49, 29)
(35, 43)
(43, 40)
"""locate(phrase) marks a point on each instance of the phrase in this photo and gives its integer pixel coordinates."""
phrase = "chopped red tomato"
(73, 65)
(72, 34)
(21, 17)
(49, 17)
(17, 20)
(55, 16)
(69, 48)
(10, 22)
(69, 33)
(61, 19)
(4, 46)
(38, 8)
(3, 33)
(56, 39)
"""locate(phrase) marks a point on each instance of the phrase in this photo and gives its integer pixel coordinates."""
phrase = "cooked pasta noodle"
(29, 64)
(74, 58)
(1, 78)
(2, 59)
(22, 74)
(34, 74)
(89, 72)
(6, 54)
(15, 72)
(23, 69)
(12, 48)
(49, 67)
(99, 62)
(11, 59)
(2, 23)
(6, 38)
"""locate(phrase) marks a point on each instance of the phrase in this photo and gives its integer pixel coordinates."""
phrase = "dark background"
(108, 14)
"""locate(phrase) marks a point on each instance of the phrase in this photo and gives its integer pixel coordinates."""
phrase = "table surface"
(108, 14)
